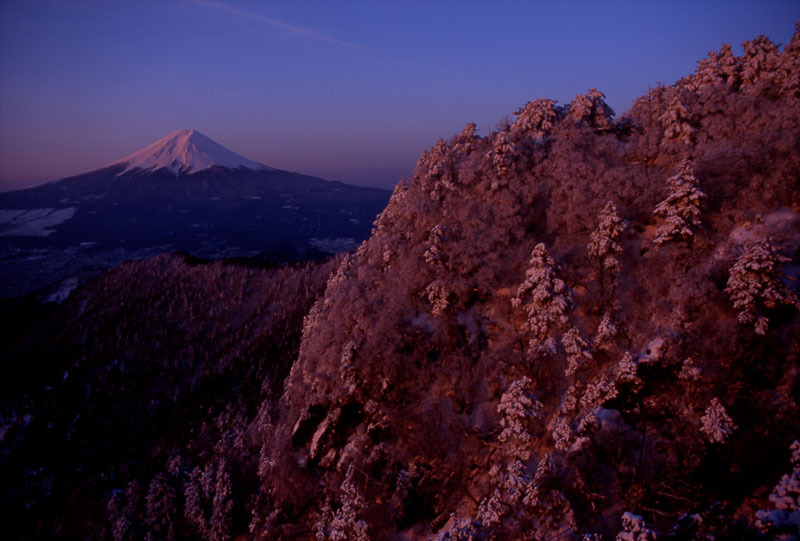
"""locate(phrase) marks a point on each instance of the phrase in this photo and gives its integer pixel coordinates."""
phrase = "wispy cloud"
(277, 23)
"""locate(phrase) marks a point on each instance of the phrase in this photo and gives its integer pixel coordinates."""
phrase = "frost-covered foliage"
(677, 122)
(604, 243)
(160, 511)
(606, 332)
(784, 517)
(592, 108)
(579, 352)
(544, 298)
(634, 528)
(537, 118)
(520, 410)
(433, 255)
(755, 286)
(438, 296)
(761, 58)
(561, 432)
(607, 387)
(689, 371)
(208, 501)
(123, 512)
(682, 208)
(503, 157)
(715, 424)
(345, 524)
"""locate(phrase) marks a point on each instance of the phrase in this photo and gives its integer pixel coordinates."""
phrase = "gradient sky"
(352, 91)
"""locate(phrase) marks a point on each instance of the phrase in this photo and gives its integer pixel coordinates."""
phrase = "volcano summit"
(185, 192)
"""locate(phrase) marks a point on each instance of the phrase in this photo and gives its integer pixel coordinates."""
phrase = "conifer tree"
(676, 122)
(754, 284)
(537, 118)
(715, 423)
(160, 509)
(604, 246)
(682, 207)
(544, 298)
(592, 109)
(519, 408)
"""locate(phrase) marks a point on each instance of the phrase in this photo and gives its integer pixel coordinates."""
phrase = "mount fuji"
(185, 192)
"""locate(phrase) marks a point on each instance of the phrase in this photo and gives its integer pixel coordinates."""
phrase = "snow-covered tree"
(789, 68)
(537, 118)
(785, 499)
(755, 285)
(438, 296)
(682, 207)
(606, 332)
(545, 299)
(221, 505)
(122, 512)
(160, 509)
(345, 524)
(604, 243)
(715, 423)
(503, 157)
(676, 122)
(709, 71)
(592, 108)
(465, 141)
(760, 59)
(579, 352)
(561, 432)
(634, 528)
(434, 255)
(519, 408)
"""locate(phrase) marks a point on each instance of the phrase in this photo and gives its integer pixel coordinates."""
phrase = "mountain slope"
(572, 318)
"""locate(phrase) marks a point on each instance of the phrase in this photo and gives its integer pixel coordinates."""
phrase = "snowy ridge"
(185, 151)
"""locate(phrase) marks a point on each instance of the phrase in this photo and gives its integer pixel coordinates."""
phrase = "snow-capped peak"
(185, 151)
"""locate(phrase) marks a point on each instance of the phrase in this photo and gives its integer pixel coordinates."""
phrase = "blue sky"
(352, 91)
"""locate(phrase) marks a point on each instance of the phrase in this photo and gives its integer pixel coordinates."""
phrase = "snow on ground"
(334, 246)
(32, 222)
(64, 289)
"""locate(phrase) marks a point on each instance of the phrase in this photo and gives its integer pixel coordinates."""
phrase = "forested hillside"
(578, 326)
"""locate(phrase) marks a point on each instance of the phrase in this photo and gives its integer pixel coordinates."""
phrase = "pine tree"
(545, 300)
(682, 207)
(519, 408)
(715, 423)
(760, 60)
(634, 528)
(592, 109)
(537, 118)
(754, 284)
(221, 505)
(346, 525)
(604, 246)
(604, 241)
(578, 351)
(160, 509)
(676, 122)
(503, 157)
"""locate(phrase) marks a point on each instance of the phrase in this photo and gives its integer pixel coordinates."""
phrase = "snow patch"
(64, 289)
(32, 222)
(333, 246)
